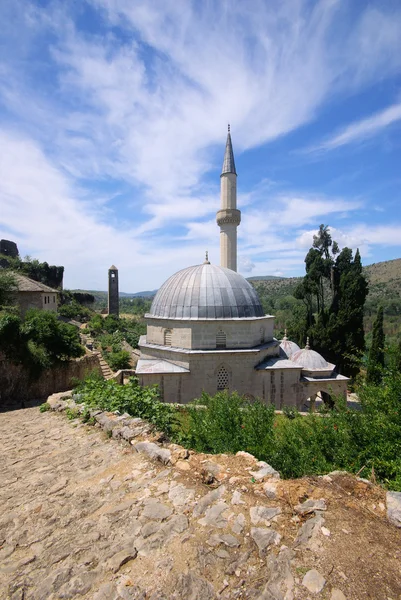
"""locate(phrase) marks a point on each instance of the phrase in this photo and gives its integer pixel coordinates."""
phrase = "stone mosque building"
(207, 331)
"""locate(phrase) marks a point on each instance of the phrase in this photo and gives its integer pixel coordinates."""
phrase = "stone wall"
(201, 335)
(16, 386)
(27, 300)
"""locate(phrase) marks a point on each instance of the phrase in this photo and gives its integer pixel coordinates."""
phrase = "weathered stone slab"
(393, 500)
(263, 513)
(264, 538)
(153, 451)
(314, 581)
(207, 500)
(265, 472)
(213, 516)
(310, 506)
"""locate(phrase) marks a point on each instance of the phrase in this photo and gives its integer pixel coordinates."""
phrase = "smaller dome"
(289, 348)
(309, 359)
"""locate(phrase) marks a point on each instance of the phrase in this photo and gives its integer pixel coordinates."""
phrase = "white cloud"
(144, 104)
(363, 129)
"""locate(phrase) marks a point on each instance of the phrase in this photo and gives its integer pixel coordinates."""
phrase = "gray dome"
(289, 348)
(309, 359)
(206, 292)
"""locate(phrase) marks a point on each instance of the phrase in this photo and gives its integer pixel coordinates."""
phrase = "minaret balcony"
(228, 215)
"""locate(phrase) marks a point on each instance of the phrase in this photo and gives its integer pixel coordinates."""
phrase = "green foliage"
(229, 423)
(119, 360)
(376, 352)
(131, 398)
(72, 309)
(338, 438)
(8, 288)
(30, 267)
(44, 407)
(39, 342)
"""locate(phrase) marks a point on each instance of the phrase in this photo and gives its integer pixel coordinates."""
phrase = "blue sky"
(113, 121)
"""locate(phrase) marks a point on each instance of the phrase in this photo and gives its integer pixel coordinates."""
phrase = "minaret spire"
(228, 217)
(228, 162)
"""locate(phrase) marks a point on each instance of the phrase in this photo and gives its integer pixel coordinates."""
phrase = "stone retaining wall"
(16, 387)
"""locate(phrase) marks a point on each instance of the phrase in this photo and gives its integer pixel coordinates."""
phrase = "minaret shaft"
(228, 217)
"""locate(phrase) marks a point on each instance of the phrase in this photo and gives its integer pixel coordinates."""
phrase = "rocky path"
(85, 516)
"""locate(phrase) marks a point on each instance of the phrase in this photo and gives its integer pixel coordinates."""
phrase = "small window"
(54, 299)
(113, 275)
(221, 341)
(45, 299)
(222, 379)
(167, 337)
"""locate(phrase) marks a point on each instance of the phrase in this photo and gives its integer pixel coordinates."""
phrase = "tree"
(8, 288)
(334, 291)
(376, 352)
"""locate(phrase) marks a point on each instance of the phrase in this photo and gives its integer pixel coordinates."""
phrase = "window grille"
(167, 337)
(221, 341)
(222, 379)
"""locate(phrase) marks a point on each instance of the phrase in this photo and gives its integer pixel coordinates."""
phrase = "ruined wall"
(16, 386)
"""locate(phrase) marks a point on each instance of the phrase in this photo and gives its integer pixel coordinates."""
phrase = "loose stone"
(393, 500)
(314, 581)
(310, 506)
(264, 538)
(263, 513)
(157, 511)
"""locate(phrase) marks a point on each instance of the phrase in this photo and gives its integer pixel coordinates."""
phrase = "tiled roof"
(25, 284)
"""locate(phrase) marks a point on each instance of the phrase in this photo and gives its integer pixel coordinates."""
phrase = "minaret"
(228, 217)
(113, 296)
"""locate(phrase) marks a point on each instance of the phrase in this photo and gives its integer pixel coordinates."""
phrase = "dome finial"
(206, 261)
(307, 347)
(229, 128)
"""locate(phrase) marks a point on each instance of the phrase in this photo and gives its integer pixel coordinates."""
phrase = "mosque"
(207, 331)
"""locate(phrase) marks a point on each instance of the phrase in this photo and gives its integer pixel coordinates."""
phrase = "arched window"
(221, 341)
(167, 337)
(262, 335)
(222, 379)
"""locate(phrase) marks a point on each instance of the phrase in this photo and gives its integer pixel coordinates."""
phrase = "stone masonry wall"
(16, 386)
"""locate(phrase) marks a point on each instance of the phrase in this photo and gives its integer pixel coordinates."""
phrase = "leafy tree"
(8, 288)
(376, 352)
(333, 291)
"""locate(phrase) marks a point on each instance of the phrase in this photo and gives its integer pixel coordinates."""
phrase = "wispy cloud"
(363, 129)
(136, 104)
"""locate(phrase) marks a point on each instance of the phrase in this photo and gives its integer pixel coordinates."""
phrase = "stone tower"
(228, 217)
(113, 297)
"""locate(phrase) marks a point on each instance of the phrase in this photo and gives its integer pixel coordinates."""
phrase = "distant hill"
(264, 277)
(100, 295)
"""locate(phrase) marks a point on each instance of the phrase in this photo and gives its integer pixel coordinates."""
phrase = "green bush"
(229, 423)
(118, 360)
(131, 398)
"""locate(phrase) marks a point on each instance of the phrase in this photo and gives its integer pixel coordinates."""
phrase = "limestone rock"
(121, 558)
(179, 495)
(263, 513)
(265, 472)
(310, 506)
(393, 500)
(192, 587)
(213, 516)
(207, 500)
(78, 585)
(238, 524)
(314, 581)
(337, 594)
(236, 499)
(308, 531)
(270, 489)
(281, 581)
(153, 451)
(264, 538)
(157, 511)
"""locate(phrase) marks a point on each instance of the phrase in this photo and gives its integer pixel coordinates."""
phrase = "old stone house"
(33, 294)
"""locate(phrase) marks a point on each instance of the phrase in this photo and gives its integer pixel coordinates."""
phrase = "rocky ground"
(88, 515)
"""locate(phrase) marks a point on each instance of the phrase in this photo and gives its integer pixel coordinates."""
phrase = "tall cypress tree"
(376, 352)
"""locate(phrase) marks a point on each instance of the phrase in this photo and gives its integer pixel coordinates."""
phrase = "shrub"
(131, 398)
(229, 423)
(118, 360)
